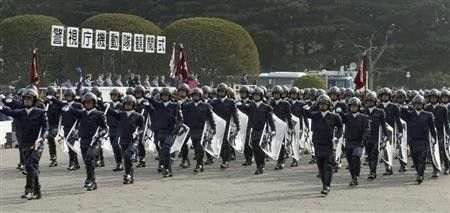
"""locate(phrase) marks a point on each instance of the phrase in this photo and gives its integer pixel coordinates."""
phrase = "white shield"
(402, 145)
(75, 147)
(272, 145)
(238, 142)
(387, 151)
(179, 140)
(435, 155)
(107, 147)
(446, 146)
(294, 139)
(308, 138)
(339, 147)
(213, 143)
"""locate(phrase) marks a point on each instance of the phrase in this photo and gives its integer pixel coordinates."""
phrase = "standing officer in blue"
(34, 131)
(327, 128)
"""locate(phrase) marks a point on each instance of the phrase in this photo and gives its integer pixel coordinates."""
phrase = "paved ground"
(235, 190)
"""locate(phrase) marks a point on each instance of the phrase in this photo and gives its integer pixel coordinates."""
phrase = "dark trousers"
(32, 168)
(419, 159)
(325, 164)
(90, 154)
(257, 151)
(128, 151)
(282, 155)
(141, 149)
(353, 155)
(164, 153)
(196, 137)
(185, 149)
(248, 152)
(113, 139)
(51, 142)
(225, 152)
(19, 141)
(372, 153)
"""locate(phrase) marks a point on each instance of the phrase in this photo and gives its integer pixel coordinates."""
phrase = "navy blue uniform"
(282, 109)
(113, 124)
(195, 115)
(325, 128)
(248, 153)
(33, 122)
(420, 125)
(226, 109)
(53, 114)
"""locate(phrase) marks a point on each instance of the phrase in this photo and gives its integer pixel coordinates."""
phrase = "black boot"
(185, 164)
(325, 190)
(118, 167)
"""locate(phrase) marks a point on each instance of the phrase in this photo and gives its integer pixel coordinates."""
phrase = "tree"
(310, 81)
(215, 47)
(19, 36)
(119, 62)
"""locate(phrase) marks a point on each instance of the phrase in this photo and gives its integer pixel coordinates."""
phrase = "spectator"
(118, 82)
(162, 82)
(108, 82)
(244, 80)
(87, 81)
(155, 81)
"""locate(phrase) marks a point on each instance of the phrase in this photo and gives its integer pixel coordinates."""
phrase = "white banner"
(87, 38)
(161, 44)
(100, 39)
(127, 41)
(72, 37)
(138, 43)
(57, 36)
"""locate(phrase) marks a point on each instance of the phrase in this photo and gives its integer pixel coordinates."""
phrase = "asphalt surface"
(236, 189)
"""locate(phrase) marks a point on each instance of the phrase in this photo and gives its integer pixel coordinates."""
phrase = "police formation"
(327, 125)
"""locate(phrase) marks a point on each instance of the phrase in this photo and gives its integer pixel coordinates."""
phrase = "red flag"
(360, 78)
(34, 77)
(182, 65)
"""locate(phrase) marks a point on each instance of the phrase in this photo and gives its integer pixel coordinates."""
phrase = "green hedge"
(310, 81)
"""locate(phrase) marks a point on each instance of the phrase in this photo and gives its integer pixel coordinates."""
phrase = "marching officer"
(141, 103)
(226, 109)
(131, 125)
(327, 128)
(441, 123)
(183, 92)
(113, 124)
(33, 122)
(53, 115)
(92, 130)
(356, 134)
(170, 119)
(392, 112)
(196, 113)
(282, 109)
(420, 125)
(297, 110)
(244, 93)
(377, 120)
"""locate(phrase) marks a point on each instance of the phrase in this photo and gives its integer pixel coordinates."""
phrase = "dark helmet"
(258, 91)
(418, 99)
(277, 89)
(51, 90)
(354, 101)
(21, 91)
(129, 99)
(69, 92)
(320, 92)
(96, 91)
(371, 96)
(244, 89)
(334, 90)
(85, 90)
(222, 87)
(155, 91)
(285, 89)
(115, 91)
(400, 93)
(264, 90)
(184, 87)
(445, 93)
(206, 89)
(89, 97)
(139, 88)
(349, 92)
(166, 91)
(312, 93)
(435, 92)
(30, 93)
(33, 87)
(197, 91)
(294, 90)
(385, 90)
(129, 91)
(324, 99)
